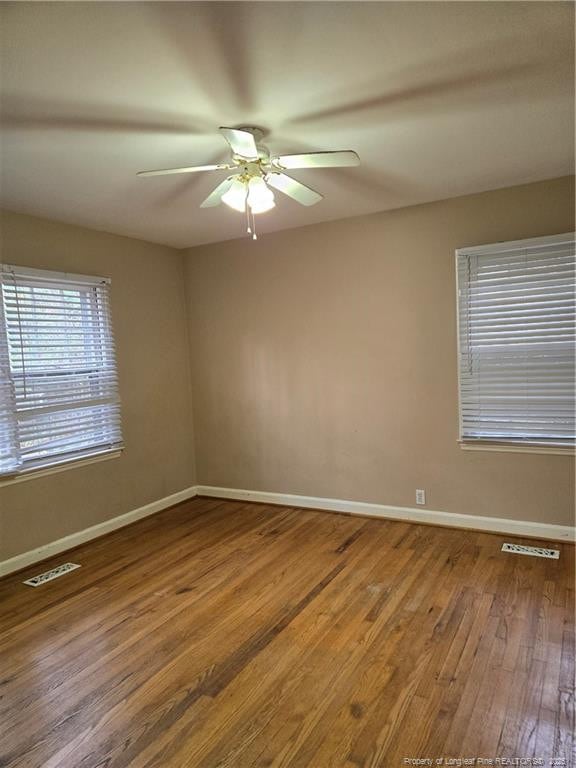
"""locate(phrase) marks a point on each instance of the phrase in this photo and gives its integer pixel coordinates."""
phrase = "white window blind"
(516, 313)
(58, 383)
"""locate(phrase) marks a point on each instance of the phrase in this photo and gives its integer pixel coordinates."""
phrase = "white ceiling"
(438, 98)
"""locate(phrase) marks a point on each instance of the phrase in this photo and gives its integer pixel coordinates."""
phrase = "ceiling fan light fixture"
(235, 197)
(262, 207)
(260, 196)
(255, 173)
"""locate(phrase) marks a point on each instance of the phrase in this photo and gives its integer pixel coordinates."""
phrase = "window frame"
(505, 445)
(60, 462)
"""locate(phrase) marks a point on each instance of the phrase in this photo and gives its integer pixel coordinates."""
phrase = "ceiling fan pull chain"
(248, 228)
(254, 235)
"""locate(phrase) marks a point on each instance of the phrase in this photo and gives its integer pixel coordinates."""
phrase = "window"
(516, 312)
(58, 383)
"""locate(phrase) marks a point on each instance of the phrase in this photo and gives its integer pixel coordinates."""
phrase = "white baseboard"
(525, 528)
(74, 539)
(409, 514)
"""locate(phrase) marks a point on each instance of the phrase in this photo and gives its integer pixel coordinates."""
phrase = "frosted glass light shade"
(235, 197)
(260, 196)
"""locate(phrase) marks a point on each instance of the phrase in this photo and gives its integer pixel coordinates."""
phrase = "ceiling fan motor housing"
(249, 169)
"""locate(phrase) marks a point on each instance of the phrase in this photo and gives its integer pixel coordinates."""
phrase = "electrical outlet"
(420, 496)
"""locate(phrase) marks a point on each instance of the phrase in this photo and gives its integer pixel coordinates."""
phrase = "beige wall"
(148, 309)
(323, 363)
(324, 360)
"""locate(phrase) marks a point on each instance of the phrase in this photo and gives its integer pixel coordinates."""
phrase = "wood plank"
(233, 635)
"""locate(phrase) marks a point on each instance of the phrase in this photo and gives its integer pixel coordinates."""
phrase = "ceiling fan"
(253, 171)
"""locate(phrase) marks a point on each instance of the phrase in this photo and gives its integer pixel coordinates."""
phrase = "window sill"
(31, 474)
(557, 450)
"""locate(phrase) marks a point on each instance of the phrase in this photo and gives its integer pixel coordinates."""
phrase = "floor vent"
(42, 578)
(522, 549)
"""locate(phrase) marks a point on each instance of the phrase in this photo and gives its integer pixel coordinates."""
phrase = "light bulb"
(235, 197)
(260, 196)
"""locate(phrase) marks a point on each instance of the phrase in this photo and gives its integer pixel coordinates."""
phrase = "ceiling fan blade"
(215, 197)
(294, 189)
(242, 143)
(338, 159)
(188, 169)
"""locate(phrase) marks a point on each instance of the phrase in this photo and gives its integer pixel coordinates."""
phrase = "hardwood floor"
(231, 635)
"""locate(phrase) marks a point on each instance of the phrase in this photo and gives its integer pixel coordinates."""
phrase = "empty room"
(287, 384)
